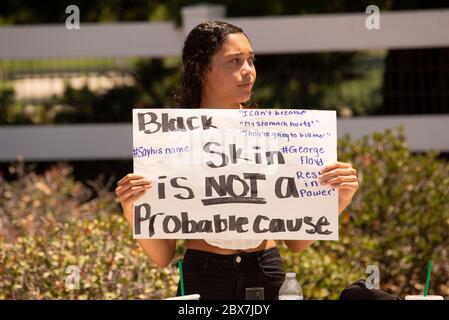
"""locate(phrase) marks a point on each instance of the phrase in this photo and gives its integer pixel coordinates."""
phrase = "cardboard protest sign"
(235, 174)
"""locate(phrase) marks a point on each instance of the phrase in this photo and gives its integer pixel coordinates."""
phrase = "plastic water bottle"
(290, 289)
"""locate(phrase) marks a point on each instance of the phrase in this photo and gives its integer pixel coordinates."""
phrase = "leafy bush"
(6, 98)
(48, 224)
(398, 220)
(11, 111)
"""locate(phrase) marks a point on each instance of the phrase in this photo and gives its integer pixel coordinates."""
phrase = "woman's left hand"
(342, 176)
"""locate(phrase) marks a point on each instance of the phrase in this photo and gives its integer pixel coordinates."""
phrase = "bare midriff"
(202, 245)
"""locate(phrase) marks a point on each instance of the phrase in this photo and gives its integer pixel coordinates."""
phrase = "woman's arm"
(129, 190)
(339, 175)
(160, 251)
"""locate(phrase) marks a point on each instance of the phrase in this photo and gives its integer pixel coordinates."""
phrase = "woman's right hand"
(129, 189)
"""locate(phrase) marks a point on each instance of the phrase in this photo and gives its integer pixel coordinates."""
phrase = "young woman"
(219, 72)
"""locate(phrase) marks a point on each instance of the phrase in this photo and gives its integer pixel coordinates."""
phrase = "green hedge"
(48, 224)
(398, 220)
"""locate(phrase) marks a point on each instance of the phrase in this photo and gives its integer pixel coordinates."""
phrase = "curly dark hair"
(201, 44)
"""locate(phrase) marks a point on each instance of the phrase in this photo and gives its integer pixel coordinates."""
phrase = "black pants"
(217, 277)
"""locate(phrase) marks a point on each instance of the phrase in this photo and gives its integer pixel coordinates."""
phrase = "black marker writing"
(149, 120)
(235, 156)
(175, 184)
(226, 186)
(261, 224)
